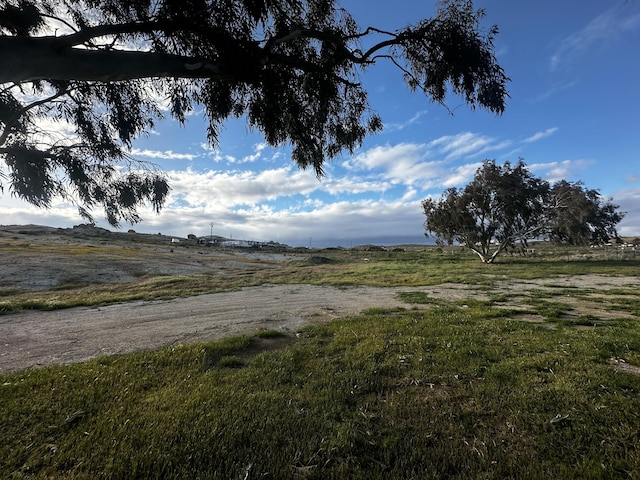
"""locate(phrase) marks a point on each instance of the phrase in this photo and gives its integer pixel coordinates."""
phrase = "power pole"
(211, 237)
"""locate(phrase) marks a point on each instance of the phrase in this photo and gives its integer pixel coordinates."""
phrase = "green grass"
(410, 268)
(448, 392)
(442, 389)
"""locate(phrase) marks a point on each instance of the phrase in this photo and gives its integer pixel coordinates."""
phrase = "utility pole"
(211, 237)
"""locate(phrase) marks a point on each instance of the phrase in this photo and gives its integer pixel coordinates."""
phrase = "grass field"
(461, 388)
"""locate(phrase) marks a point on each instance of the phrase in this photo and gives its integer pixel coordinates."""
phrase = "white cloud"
(164, 155)
(555, 89)
(409, 195)
(461, 175)
(386, 156)
(629, 201)
(54, 132)
(395, 127)
(18, 212)
(218, 156)
(462, 144)
(466, 145)
(343, 223)
(349, 222)
(352, 185)
(216, 190)
(404, 164)
(562, 170)
(241, 204)
(257, 149)
(603, 29)
(424, 165)
(540, 135)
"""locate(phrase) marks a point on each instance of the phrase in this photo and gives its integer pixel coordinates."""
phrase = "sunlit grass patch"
(420, 298)
(151, 288)
(552, 311)
(214, 351)
(230, 361)
(628, 302)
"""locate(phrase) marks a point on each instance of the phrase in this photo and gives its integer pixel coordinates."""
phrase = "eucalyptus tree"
(580, 216)
(110, 69)
(500, 206)
(505, 205)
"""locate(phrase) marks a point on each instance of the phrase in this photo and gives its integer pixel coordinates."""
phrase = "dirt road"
(36, 338)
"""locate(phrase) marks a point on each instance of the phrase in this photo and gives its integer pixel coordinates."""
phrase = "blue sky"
(573, 114)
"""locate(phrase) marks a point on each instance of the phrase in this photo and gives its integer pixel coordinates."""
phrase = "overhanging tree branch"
(37, 59)
(290, 67)
(11, 122)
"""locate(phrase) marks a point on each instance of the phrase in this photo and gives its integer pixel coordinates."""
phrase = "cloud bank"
(372, 197)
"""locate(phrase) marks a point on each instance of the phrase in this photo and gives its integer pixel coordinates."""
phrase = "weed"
(270, 334)
(420, 298)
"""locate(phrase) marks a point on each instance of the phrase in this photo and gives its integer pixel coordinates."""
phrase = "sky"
(572, 114)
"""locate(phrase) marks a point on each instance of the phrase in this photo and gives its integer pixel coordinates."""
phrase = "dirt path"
(36, 338)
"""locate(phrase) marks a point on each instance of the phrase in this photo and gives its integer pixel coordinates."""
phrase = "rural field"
(128, 356)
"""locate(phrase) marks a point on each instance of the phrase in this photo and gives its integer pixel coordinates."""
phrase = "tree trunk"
(483, 257)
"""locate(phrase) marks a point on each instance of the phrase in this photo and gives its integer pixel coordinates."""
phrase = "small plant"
(270, 334)
(214, 353)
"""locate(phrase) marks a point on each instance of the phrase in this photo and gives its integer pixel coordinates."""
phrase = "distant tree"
(501, 205)
(505, 205)
(579, 216)
(290, 67)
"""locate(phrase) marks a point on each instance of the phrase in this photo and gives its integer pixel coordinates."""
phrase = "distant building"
(240, 243)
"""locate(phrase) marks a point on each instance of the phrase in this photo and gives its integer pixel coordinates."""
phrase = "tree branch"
(86, 34)
(29, 59)
(13, 120)
(336, 40)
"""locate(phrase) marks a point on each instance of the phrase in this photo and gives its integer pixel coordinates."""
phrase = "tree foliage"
(506, 204)
(579, 216)
(501, 205)
(111, 68)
